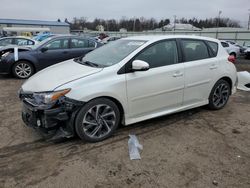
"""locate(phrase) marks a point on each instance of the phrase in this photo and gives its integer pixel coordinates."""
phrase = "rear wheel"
(97, 120)
(219, 95)
(23, 69)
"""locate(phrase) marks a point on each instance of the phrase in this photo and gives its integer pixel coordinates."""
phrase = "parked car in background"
(247, 52)
(109, 39)
(18, 40)
(24, 62)
(231, 49)
(128, 81)
(43, 36)
(242, 48)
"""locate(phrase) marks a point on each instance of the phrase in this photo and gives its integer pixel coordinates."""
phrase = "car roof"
(15, 37)
(151, 38)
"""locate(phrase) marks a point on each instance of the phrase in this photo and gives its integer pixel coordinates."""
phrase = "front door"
(161, 87)
(57, 51)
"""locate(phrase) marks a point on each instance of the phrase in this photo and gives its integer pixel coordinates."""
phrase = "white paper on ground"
(243, 79)
(133, 147)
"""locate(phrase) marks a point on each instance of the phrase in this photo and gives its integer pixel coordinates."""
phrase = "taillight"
(231, 58)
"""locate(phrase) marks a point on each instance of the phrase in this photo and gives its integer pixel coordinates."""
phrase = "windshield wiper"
(91, 64)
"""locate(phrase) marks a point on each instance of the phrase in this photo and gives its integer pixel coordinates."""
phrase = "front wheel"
(23, 69)
(219, 95)
(97, 120)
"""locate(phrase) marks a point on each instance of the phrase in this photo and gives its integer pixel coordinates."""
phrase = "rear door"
(57, 51)
(80, 46)
(200, 69)
(161, 87)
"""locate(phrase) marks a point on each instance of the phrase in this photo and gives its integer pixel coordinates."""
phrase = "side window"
(5, 42)
(58, 44)
(160, 54)
(79, 43)
(224, 44)
(214, 47)
(30, 42)
(21, 42)
(194, 50)
(92, 44)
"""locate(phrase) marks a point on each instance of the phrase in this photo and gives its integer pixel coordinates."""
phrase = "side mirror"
(44, 49)
(139, 65)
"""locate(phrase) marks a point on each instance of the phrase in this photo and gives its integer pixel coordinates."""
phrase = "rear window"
(214, 47)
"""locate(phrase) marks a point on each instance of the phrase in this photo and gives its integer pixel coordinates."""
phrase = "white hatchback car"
(127, 81)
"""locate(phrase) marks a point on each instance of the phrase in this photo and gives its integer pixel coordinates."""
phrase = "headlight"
(49, 97)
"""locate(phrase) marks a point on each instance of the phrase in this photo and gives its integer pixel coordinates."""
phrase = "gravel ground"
(195, 148)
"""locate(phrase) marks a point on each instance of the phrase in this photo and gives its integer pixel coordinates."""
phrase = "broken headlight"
(49, 97)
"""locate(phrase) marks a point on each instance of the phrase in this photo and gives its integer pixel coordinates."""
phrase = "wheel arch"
(117, 102)
(229, 80)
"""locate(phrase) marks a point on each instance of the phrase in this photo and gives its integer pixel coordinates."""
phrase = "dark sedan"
(23, 62)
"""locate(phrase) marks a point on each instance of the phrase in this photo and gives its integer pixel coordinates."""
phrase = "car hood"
(52, 77)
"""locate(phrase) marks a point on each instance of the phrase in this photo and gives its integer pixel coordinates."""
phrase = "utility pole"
(134, 25)
(174, 21)
(248, 25)
(218, 22)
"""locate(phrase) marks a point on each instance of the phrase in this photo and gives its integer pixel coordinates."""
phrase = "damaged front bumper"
(51, 118)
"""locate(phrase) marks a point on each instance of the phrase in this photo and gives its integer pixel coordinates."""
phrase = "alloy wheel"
(220, 95)
(23, 70)
(98, 121)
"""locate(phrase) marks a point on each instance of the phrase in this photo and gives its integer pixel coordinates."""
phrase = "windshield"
(111, 53)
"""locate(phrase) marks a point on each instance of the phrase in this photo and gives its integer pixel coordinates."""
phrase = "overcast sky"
(54, 9)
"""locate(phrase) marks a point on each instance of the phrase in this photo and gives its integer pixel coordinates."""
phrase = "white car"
(17, 41)
(128, 81)
(230, 48)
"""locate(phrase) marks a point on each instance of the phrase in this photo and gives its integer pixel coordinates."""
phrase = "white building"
(180, 27)
(15, 26)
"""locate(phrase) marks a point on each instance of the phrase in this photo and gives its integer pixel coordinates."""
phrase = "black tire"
(219, 95)
(100, 116)
(23, 70)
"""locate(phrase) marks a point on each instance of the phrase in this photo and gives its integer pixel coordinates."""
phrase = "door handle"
(178, 74)
(213, 67)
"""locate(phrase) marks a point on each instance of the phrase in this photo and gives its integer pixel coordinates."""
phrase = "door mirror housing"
(44, 49)
(139, 65)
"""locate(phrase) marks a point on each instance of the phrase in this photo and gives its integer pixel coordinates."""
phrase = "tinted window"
(5, 42)
(58, 44)
(160, 54)
(214, 47)
(194, 50)
(91, 44)
(224, 44)
(79, 43)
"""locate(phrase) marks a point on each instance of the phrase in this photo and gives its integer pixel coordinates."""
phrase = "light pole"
(218, 22)
(248, 25)
(174, 21)
(134, 25)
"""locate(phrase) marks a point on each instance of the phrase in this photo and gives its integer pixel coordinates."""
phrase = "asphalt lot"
(195, 148)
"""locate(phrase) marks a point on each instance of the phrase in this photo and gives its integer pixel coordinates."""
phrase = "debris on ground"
(215, 182)
(235, 131)
(134, 146)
